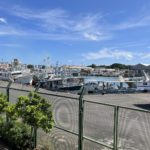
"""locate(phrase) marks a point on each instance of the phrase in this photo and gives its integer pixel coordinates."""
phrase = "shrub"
(25, 117)
(35, 111)
(17, 135)
(3, 103)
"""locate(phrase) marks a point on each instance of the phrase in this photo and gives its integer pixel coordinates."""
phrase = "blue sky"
(75, 31)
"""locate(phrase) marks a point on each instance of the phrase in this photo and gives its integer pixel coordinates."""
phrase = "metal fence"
(86, 125)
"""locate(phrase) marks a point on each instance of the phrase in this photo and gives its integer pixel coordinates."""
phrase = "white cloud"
(139, 21)
(3, 20)
(145, 56)
(96, 36)
(9, 30)
(92, 37)
(146, 64)
(9, 45)
(109, 53)
(59, 22)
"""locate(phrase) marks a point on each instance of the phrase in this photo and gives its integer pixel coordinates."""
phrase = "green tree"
(3, 103)
(93, 66)
(118, 66)
(30, 66)
(36, 112)
(43, 67)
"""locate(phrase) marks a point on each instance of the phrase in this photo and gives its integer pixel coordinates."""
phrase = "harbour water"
(100, 78)
(114, 82)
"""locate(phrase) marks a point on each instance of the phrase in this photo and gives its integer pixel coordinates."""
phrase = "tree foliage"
(93, 66)
(30, 66)
(3, 103)
(35, 111)
(16, 134)
(25, 117)
(112, 66)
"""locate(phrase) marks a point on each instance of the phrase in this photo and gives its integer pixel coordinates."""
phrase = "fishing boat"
(145, 84)
(18, 76)
(63, 84)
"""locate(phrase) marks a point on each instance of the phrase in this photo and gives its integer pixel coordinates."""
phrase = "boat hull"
(71, 88)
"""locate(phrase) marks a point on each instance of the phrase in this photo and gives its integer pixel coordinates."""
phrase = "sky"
(75, 32)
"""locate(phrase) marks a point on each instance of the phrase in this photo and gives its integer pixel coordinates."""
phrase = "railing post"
(35, 129)
(116, 110)
(8, 93)
(38, 86)
(81, 111)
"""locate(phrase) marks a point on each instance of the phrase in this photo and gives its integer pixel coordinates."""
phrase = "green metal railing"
(132, 114)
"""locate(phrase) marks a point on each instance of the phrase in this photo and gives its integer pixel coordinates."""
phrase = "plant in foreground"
(36, 112)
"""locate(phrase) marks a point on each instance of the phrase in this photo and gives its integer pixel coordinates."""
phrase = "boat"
(18, 76)
(6, 76)
(63, 84)
(25, 79)
(93, 86)
(145, 84)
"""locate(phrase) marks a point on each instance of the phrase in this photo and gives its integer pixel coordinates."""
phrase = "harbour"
(74, 75)
(71, 78)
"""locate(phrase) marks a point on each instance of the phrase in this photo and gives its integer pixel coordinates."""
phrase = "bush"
(17, 135)
(23, 119)
(35, 111)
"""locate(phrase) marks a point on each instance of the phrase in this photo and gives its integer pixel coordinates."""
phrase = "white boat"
(6, 76)
(64, 84)
(25, 79)
(93, 87)
(145, 84)
(18, 76)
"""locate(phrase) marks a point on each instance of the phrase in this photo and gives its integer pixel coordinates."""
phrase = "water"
(104, 79)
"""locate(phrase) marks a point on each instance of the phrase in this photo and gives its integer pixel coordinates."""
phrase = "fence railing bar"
(135, 109)
(68, 97)
(71, 132)
(98, 142)
(88, 101)
(3, 87)
(125, 107)
(22, 90)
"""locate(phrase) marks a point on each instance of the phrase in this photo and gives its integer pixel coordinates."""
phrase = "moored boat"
(63, 84)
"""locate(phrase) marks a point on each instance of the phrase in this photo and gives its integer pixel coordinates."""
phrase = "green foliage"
(25, 117)
(3, 103)
(10, 111)
(43, 67)
(112, 66)
(30, 66)
(93, 66)
(119, 66)
(35, 111)
(16, 134)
